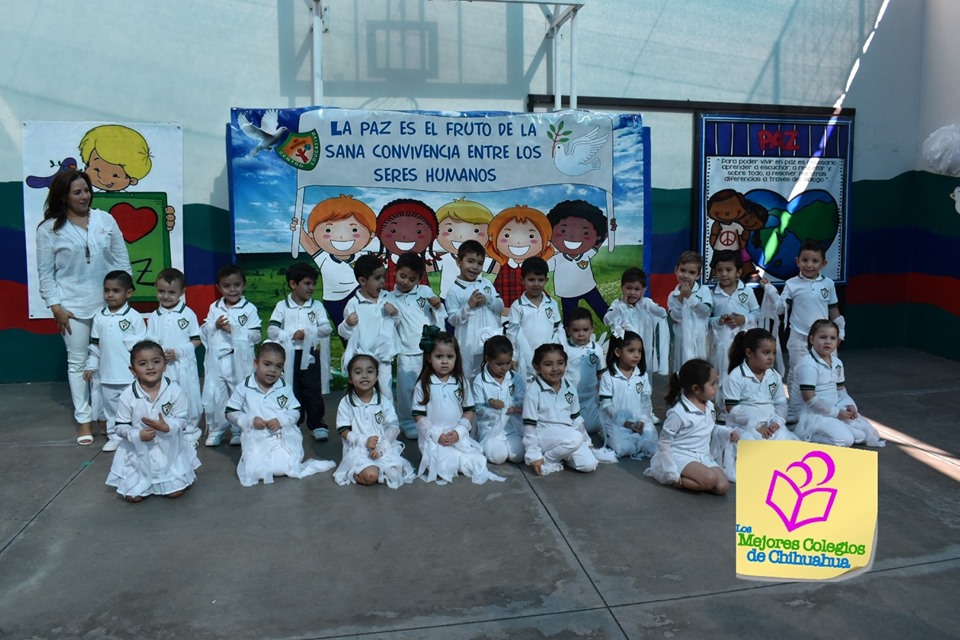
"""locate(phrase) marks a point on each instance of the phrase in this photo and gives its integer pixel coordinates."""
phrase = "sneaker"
(410, 433)
(111, 445)
(214, 439)
(235, 439)
(321, 434)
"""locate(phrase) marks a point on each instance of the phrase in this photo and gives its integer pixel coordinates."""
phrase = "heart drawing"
(135, 223)
(811, 215)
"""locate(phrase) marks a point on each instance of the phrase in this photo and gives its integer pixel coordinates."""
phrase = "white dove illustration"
(578, 156)
(267, 134)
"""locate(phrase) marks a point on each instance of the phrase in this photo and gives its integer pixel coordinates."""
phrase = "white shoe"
(111, 445)
(321, 435)
(235, 439)
(214, 439)
(410, 433)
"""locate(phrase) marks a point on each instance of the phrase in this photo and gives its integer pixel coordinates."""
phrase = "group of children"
(513, 385)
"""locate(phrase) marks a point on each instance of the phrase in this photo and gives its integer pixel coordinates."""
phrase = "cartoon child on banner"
(579, 228)
(337, 230)
(406, 225)
(726, 208)
(753, 220)
(460, 220)
(515, 234)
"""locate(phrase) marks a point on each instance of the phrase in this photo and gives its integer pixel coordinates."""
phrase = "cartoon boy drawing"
(460, 220)
(337, 230)
(579, 228)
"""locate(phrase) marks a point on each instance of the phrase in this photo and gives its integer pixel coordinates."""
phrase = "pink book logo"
(796, 507)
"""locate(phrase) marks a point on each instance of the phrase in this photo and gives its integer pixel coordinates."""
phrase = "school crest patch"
(458, 394)
(421, 302)
(743, 297)
(512, 388)
(583, 264)
(242, 320)
(640, 387)
(124, 325)
(312, 317)
(282, 401)
(594, 358)
(183, 323)
(378, 416)
(824, 293)
(569, 396)
(550, 312)
(773, 388)
(839, 370)
(165, 407)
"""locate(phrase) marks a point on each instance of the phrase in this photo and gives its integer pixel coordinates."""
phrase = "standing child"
(155, 455)
(553, 431)
(498, 392)
(584, 365)
(473, 307)
(299, 323)
(534, 317)
(265, 410)
(829, 415)
(625, 405)
(417, 307)
(443, 408)
(174, 326)
(806, 297)
(368, 426)
(690, 305)
(369, 323)
(229, 333)
(635, 312)
(683, 458)
(753, 395)
(113, 333)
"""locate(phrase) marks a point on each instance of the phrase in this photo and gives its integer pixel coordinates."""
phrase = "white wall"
(940, 88)
(189, 61)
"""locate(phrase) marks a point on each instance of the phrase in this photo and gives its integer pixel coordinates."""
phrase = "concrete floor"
(606, 555)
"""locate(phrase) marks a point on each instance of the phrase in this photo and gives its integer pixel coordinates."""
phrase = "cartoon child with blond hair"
(460, 220)
(337, 230)
(516, 234)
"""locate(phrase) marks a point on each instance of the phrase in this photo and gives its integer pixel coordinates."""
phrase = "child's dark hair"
(577, 313)
(269, 346)
(144, 345)
(726, 256)
(228, 270)
(120, 277)
(693, 373)
(366, 265)
(822, 322)
(356, 358)
(412, 261)
(620, 343)
(551, 347)
(173, 276)
(299, 271)
(497, 346)
(432, 338)
(747, 340)
(690, 257)
(633, 274)
(813, 245)
(471, 248)
(580, 209)
(536, 266)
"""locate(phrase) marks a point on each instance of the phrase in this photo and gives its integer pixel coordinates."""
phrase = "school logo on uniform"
(312, 317)
(839, 369)
(569, 396)
(242, 320)
(511, 389)
(282, 401)
(421, 302)
(165, 407)
(182, 323)
(640, 387)
(743, 297)
(773, 388)
(594, 358)
(583, 264)
(458, 394)
(124, 325)
(487, 290)
(378, 416)
(550, 312)
(825, 293)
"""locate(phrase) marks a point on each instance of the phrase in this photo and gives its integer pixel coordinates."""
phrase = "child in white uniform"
(683, 458)
(368, 426)
(114, 332)
(417, 307)
(369, 322)
(174, 326)
(473, 307)
(626, 408)
(443, 407)
(829, 415)
(265, 410)
(690, 305)
(498, 393)
(735, 309)
(634, 312)
(154, 457)
(534, 317)
(753, 393)
(553, 432)
(229, 333)
(585, 364)
(300, 323)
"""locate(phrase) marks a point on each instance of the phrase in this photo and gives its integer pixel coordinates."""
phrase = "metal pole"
(555, 27)
(573, 59)
(317, 52)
